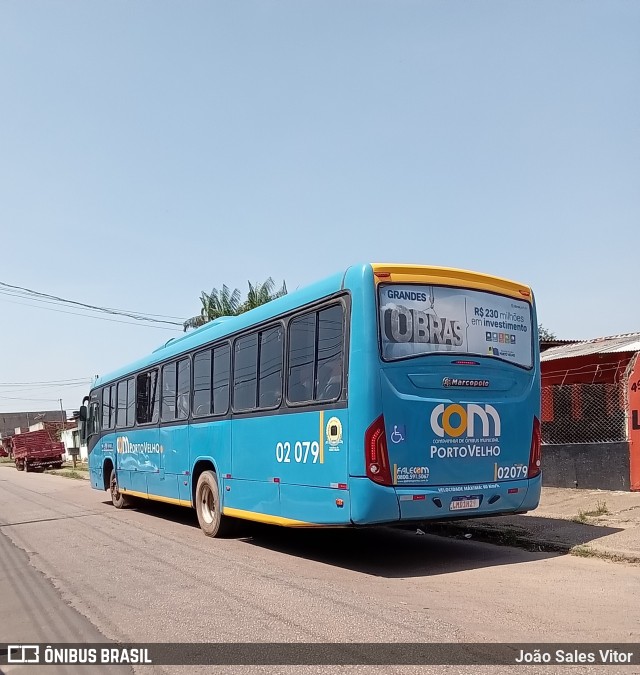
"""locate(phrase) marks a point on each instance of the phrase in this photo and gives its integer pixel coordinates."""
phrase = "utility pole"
(62, 428)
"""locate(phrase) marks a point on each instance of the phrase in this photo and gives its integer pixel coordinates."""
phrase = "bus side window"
(108, 418)
(270, 380)
(315, 356)
(147, 397)
(221, 375)
(168, 392)
(94, 416)
(202, 383)
(329, 369)
(302, 341)
(121, 410)
(131, 401)
(183, 389)
(245, 365)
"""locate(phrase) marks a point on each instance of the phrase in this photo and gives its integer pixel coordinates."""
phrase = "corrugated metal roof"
(629, 342)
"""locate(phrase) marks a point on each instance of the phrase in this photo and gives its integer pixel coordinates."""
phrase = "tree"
(214, 305)
(545, 333)
(260, 294)
(227, 302)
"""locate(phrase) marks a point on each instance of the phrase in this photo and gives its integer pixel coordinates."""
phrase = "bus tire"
(210, 517)
(19, 465)
(119, 500)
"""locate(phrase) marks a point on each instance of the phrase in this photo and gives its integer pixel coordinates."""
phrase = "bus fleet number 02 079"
(304, 452)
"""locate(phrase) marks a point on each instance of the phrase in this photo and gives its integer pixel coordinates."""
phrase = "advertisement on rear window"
(419, 320)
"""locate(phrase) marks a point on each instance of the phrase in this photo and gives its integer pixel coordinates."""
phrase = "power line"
(28, 293)
(70, 379)
(100, 318)
(35, 298)
(24, 398)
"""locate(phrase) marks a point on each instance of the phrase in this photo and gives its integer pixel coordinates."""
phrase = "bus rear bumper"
(474, 500)
(372, 503)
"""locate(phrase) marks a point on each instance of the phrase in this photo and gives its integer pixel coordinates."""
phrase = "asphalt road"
(73, 568)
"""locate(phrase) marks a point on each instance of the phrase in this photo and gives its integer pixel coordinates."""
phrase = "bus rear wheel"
(210, 517)
(119, 500)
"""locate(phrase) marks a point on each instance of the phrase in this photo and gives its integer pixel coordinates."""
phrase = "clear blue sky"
(149, 150)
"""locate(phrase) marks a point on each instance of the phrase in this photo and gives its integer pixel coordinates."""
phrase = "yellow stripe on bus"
(322, 437)
(155, 498)
(266, 518)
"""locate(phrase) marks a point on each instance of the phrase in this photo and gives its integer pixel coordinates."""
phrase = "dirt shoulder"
(581, 522)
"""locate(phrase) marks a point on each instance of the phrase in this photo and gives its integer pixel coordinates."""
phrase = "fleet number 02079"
(505, 472)
(304, 452)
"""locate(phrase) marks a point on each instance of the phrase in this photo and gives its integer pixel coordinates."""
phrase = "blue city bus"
(385, 394)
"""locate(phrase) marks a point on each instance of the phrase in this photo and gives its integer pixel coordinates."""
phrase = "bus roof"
(401, 273)
(227, 325)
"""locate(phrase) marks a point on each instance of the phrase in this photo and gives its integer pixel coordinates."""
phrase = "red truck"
(37, 451)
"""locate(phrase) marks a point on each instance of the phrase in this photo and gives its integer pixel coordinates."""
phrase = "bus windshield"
(418, 320)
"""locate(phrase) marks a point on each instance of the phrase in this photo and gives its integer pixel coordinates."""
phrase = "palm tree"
(227, 303)
(214, 305)
(262, 293)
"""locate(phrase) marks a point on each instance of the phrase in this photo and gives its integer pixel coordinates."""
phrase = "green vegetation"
(545, 333)
(79, 466)
(600, 510)
(228, 303)
(6, 460)
(583, 516)
(68, 473)
(584, 551)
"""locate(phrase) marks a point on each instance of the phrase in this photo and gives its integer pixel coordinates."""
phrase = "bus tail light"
(535, 454)
(376, 455)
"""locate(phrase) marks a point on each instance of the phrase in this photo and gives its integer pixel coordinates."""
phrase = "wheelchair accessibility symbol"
(398, 433)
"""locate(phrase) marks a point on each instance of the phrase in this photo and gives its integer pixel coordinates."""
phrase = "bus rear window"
(418, 320)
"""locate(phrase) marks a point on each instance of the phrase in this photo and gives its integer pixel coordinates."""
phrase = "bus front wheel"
(210, 517)
(119, 500)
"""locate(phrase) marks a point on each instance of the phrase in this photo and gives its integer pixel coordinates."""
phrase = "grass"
(79, 466)
(68, 473)
(583, 516)
(583, 551)
(6, 460)
(600, 510)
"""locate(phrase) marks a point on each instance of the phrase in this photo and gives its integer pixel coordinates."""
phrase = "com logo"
(456, 420)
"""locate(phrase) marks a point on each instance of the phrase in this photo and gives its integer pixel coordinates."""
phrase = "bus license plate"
(464, 503)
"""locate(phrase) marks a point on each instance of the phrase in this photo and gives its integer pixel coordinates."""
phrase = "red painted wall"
(589, 369)
(605, 368)
(633, 394)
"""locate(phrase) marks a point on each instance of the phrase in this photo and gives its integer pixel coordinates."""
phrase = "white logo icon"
(23, 654)
(396, 436)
